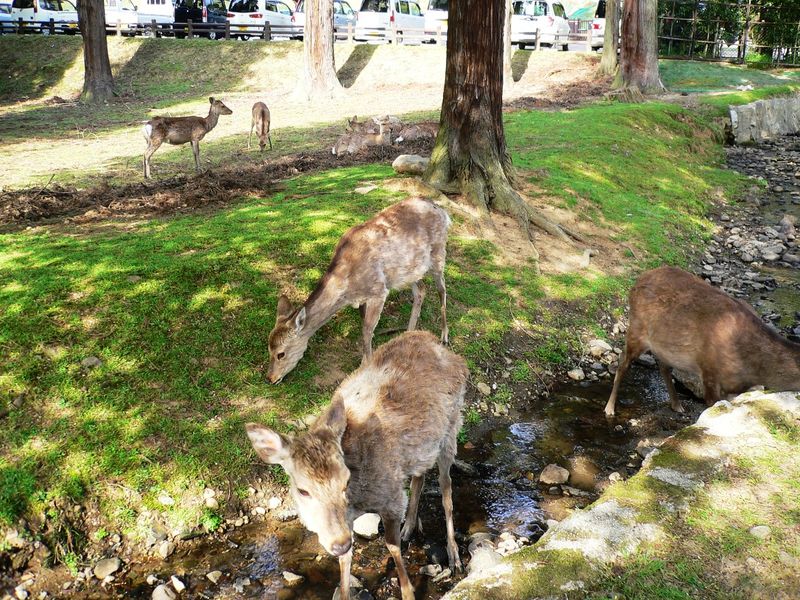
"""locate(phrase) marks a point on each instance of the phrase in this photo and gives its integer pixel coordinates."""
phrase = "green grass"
(699, 76)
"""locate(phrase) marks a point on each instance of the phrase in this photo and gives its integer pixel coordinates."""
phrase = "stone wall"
(765, 119)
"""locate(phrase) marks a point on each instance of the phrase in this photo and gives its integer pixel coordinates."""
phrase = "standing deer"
(690, 325)
(261, 124)
(355, 141)
(394, 249)
(389, 420)
(180, 130)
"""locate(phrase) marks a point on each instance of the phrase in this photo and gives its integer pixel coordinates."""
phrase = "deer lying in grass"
(418, 131)
(355, 141)
(181, 130)
(390, 420)
(260, 123)
(394, 249)
(687, 324)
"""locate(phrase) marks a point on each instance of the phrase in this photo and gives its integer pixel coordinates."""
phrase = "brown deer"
(181, 130)
(355, 141)
(260, 123)
(687, 324)
(356, 126)
(394, 249)
(391, 419)
(418, 131)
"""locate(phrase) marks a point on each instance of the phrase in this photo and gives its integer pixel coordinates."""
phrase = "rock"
(483, 559)
(551, 523)
(165, 499)
(615, 477)
(365, 189)
(554, 475)
(747, 257)
(367, 525)
(177, 584)
(356, 592)
(162, 592)
(241, 583)
(90, 362)
(482, 538)
(443, 575)
(791, 258)
(287, 514)
(770, 256)
(151, 579)
(165, 548)
(214, 576)
(292, 578)
(431, 570)
(260, 510)
(134, 278)
(484, 389)
(20, 592)
(576, 374)
(760, 531)
(106, 567)
(410, 164)
(274, 503)
(212, 503)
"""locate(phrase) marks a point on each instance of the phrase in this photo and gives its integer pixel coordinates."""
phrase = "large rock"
(765, 119)
(163, 592)
(106, 567)
(554, 475)
(410, 164)
(483, 560)
(367, 525)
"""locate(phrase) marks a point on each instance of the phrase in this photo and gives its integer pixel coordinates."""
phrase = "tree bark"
(609, 63)
(470, 155)
(638, 72)
(98, 83)
(319, 70)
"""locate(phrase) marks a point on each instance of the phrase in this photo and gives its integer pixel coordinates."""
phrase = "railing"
(44, 27)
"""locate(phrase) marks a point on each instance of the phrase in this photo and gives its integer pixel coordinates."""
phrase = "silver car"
(344, 19)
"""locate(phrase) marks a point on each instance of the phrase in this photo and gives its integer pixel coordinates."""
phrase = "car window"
(337, 8)
(22, 4)
(272, 8)
(437, 5)
(559, 11)
(283, 9)
(415, 9)
(299, 7)
(600, 13)
(375, 5)
(347, 9)
(217, 5)
(54, 5)
(403, 7)
(244, 6)
(5, 9)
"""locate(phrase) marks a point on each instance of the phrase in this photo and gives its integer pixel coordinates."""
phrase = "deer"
(690, 325)
(390, 420)
(355, 141)
(356, 126)
(181, 130)
(426, 130)
(260, 123)
(394, 249)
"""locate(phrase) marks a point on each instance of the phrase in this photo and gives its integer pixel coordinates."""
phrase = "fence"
(753, 31)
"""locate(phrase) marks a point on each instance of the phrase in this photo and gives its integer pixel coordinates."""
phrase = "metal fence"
(746, 31)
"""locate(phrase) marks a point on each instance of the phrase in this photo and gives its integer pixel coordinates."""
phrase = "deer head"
(317, 473)
(288, 340)
(218, 107)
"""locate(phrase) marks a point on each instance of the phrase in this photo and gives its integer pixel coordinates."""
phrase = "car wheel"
(565, 47)
(522, 46)
(213, 35)
(45, 30)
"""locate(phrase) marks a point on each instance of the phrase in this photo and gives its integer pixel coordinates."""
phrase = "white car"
(122, 14)
(546, 16)
(598, 25)
(6, 20)
(344, 18)
(377, 19)
(436, 18)
(160, 11)
(38, 13)
(247, 18)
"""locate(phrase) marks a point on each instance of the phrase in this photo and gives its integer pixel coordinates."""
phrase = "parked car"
(38, 13)
(122, 14)
(160, 11)
(247, 17)
(436, 18)
(343, 19)
(378, 17)
(6, 19)
(546, 16)
(599, 25)
(203, 12)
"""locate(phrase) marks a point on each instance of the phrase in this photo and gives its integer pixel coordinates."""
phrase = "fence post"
(537, 46)
(267, 31)
(52, 27)
(189, 28)
(153, 27)
(350, 32)
(745, 35)
(227, 30)
(439, 34)
(119, 27)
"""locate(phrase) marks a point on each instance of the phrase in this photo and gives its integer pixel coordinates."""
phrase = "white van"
(160, 11)
(377, 18)
(436, 17)
(247, 18)
(546, 16)
(38, 13)
(121, 13)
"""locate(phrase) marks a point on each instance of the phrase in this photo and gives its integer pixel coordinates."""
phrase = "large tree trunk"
(608, 63)
(319, 70)
(98, 83)
(638, 73)
(470, 155)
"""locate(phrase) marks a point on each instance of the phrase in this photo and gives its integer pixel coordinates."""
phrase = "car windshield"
(244, 6)
(217, 5)
(59, 5)
(375, 6)
(437, 5)
(346, 9)
(530, 9)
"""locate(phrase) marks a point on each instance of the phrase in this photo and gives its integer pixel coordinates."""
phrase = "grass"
(699, 76)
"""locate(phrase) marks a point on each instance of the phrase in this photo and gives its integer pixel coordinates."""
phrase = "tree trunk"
(98, 83)
(638, 72)
(508, 75)
(608, 63)
(319, 70)
(470, 155)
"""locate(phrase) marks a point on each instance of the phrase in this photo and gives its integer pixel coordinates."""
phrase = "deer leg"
(711, 391)
(345, 561)
(196, 150)
(666, 374)
(417, 483)
(438, 278)
(632, 350)
(446, 485)
(391, 527)
(418, 292)
(152, 146)
(371, 315)
(250, 137)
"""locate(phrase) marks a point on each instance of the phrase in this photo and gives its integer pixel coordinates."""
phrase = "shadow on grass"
(32, 64)
(519, 63)
(357, 61)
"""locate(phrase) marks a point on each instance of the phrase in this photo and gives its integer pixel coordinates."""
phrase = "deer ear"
(211, 100)
(285, 307)
(271, 447)
(334, 418)
(300, 319)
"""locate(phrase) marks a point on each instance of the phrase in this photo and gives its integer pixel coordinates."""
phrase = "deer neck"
(211, 119)
(324, 302)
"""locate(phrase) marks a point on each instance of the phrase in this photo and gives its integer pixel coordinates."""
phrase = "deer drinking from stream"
(260, 123)
(181, 130)
(690, 325)
(391, 419)
(394, 249)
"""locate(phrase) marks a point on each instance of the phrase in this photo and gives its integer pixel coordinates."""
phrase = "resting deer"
(418, 131)
(394, 249)
(389, 420)
(355, 141)
(181, 130)
(260, 123)
(690, 325)
(356, 126)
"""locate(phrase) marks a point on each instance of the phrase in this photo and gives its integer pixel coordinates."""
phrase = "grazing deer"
(687, 324)
(394, 249)
(355, 141)
(418, 131)
(389, 420)
(180, 130)
(261, 124)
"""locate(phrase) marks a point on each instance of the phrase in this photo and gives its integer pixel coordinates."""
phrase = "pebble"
(165, 549)
(292, 578)
(214, 576)
(177, 584)
(162, 592)
(166, 499)
(151, 579)
(554, 475)
(576, 374)
(484, 389)
(445, 574)
(483, 559)
(212, 503)
(274, 503)
(760, 531)
(241, 583)
(615, 477)
(20, 592)
(106, 567)
(431, 570)
(367, 525)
